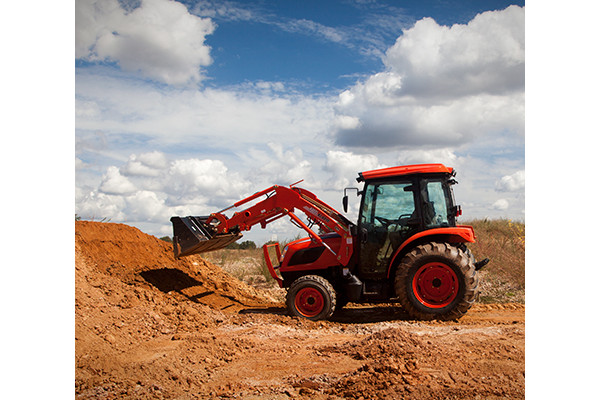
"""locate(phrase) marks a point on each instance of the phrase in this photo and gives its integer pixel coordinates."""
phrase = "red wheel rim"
(309, 302)
(435, 285)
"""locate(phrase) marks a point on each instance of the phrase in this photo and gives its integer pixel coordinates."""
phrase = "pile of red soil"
(143, 261)
(135, 303)
(400, 364)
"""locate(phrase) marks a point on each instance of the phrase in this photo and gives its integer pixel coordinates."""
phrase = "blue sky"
(183, 108)
(287, 40)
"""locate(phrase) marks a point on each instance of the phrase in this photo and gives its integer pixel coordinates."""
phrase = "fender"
(455, 234)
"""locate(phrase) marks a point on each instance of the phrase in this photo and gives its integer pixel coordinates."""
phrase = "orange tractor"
(405, 247)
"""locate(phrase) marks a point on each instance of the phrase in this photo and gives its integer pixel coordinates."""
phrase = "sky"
(183, 108)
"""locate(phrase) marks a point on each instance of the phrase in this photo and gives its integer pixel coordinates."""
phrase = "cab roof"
(404, 170)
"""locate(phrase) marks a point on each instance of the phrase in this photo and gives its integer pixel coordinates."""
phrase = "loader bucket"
(191, 235)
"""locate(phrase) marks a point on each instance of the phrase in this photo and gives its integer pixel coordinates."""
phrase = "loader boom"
(218, 230)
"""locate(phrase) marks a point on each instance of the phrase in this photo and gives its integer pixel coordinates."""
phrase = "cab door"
(387, 217)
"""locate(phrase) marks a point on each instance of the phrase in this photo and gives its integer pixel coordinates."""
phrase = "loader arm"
(217, 230)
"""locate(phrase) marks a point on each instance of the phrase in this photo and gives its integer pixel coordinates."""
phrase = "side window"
(435, 208)
(388, 201)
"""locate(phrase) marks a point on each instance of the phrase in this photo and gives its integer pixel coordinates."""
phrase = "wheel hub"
(309, 302)
(435, 285)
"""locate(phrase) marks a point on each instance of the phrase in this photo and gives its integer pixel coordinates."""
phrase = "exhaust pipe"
(481, 264)
(192, 235)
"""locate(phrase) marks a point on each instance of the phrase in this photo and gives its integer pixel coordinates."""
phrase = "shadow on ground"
(169, 279)
(349, 315)
(370, 313)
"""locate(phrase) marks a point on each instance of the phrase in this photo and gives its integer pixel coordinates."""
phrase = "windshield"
(388, 201)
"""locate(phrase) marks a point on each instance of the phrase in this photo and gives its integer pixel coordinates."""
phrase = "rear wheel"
(311, 297)
(436, 281)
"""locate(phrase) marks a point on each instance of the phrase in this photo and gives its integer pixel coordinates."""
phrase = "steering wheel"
(386, 222)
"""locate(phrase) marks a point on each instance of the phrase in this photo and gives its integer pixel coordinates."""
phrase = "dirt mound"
(134, 303)
(141, 260)
(402, 364)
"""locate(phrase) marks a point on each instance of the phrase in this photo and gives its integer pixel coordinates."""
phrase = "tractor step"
(192, 235)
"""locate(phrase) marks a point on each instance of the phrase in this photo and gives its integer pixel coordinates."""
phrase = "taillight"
(458, 211)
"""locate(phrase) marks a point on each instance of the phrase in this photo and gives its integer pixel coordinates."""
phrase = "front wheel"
(311, 297)
(436, 281)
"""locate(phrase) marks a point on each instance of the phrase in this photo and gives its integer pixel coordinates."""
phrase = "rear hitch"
(481, 264)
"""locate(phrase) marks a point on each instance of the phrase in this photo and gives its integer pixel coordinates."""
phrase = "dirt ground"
(148, 326)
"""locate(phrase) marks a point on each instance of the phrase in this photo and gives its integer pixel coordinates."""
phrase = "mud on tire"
(436, 281)
(311, 297)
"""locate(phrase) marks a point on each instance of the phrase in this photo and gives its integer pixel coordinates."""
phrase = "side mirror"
(345, 198)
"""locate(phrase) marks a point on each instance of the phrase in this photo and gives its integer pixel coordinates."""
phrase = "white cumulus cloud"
(97, 206)
(147, 164)
(511, 183)
(422, 156)
(180, 187)
(485, 55)
(345, 166)
(115, 183)
(236, 116)
(500, 204)
(192, 179)
(160, 38)
(443, 86)
(145, 205)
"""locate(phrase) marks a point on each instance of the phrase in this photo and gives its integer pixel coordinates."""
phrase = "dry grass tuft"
(503, 242)
(248, 266)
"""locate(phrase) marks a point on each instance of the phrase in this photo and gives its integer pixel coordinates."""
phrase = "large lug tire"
(437, 281)
(311, 297)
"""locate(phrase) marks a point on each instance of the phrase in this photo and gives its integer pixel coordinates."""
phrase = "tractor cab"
(398, 203)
